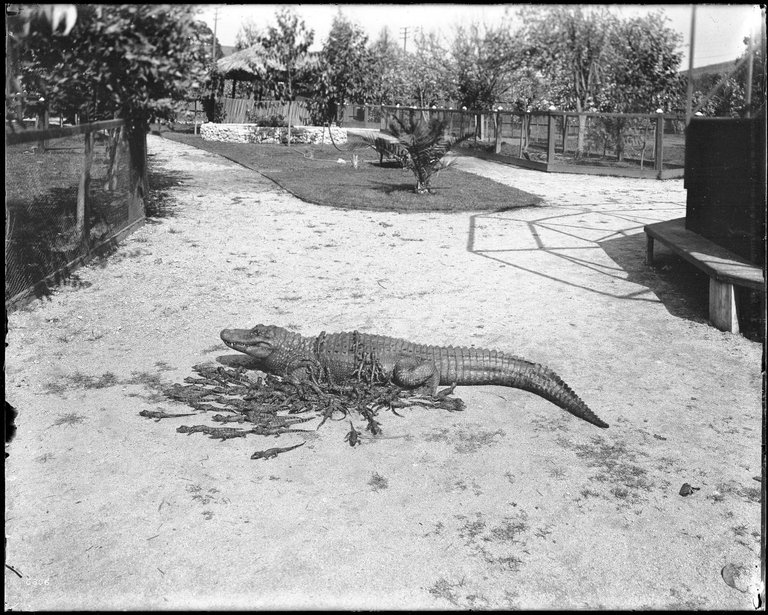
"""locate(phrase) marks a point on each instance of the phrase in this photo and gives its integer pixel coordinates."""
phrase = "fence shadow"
(682, 288)
(577, 237)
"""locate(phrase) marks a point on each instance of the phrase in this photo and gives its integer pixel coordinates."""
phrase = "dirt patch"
(510, 504)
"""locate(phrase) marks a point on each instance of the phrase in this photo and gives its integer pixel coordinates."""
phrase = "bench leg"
(722, 306)
(648, 250)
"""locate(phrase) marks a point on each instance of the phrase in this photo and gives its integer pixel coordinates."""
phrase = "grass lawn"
(313, 173)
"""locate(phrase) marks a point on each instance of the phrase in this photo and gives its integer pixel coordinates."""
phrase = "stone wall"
(251, 133)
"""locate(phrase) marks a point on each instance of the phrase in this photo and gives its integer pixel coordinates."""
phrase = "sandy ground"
(512, 503)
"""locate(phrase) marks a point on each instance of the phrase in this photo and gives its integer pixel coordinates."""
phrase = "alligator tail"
(545, 383)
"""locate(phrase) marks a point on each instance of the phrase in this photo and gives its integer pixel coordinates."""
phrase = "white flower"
(659, 110)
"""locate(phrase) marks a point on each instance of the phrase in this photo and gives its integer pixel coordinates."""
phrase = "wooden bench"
(724, 268)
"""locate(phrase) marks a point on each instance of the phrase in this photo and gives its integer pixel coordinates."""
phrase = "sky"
(720, 28)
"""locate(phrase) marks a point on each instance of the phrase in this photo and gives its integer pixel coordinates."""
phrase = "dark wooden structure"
(725, 177)
(723, 232)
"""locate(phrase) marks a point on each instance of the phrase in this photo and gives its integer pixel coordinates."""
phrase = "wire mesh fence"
(632, 145)
(66, 196)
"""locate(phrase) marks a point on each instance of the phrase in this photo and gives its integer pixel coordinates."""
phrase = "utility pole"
(404, 35)
(689, 92)
(213, 41)
(212, 116)
(750, 63)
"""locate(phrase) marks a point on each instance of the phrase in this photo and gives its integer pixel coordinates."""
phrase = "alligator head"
(259, 342)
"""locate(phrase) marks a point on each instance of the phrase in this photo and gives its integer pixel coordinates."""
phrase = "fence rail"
(72, 194)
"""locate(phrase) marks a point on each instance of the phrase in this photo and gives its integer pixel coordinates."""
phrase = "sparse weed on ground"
(732, 488)
(78, 380)
(614, 461)
(378, 482)
(69, 419)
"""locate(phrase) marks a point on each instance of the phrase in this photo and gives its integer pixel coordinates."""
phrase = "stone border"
(251, 133)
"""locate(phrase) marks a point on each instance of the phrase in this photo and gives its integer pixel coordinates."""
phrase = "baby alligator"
(274, 452)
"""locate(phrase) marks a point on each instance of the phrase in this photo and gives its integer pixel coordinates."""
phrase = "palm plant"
(427, 143)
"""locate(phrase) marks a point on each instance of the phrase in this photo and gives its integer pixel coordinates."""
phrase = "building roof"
(717, 69)
(244, 65)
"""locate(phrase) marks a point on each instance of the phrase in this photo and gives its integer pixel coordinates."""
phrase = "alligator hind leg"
(422, 376)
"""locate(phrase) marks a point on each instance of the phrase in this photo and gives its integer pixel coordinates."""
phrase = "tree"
(129, 61)
(715, 96)
(427, 143)
(486, 60)
(387, 70)
(288, 58)
(212, 86)
(642, 75)
(429, 71)
(571, 46)
(346, 66)
(248, 35)
(757, 48)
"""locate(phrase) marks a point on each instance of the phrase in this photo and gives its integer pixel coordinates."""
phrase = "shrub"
(256, 116)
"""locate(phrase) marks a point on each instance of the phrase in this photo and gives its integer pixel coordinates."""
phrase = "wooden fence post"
(551, 129)
(83, 196)
(659, 153)
(497, 122)
(42, 123)
(565, 134)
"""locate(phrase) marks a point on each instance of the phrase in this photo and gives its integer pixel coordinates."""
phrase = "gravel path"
(510, 504)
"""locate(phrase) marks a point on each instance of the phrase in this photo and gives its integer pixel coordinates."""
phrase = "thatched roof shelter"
(244, 65)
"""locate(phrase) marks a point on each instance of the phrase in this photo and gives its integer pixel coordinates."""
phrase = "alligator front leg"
(422, 376)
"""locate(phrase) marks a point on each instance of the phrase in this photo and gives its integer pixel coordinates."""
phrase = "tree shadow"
(159, 202)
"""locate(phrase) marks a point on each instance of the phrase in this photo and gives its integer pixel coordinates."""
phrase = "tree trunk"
(137, 141)
(619, 141)
(582, 122)
(289, 124)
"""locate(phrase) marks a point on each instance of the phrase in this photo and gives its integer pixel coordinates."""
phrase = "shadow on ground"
(682, 288)
(161, 181)
(574, 236)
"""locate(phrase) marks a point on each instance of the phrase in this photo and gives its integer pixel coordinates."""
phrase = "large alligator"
(339, 356)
